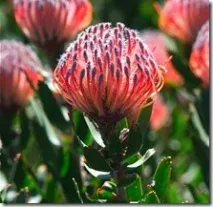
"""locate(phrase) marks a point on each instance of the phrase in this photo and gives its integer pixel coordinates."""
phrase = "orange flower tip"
(19, 74)
(108, 72)
(51, 23)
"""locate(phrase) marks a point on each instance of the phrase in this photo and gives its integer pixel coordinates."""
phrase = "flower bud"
(18, 75)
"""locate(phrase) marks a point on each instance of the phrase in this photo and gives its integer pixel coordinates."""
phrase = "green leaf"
(162, 177)
(198, 125)
(94, 131)
(134, 191)
(136, 134)
(47, 149)
(44, 123)
(66, 180)
(51, 107)
(95, 160)
(143, 159)
(81, 128)
(151, 197)
(143, 120)
(25, 129)
(202, 104)
(114, 146)
(98, 174)
(134, 143)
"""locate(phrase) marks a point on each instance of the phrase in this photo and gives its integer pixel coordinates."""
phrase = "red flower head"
(50, 23)
(109, 73)
(18, 73)
(160, 114)
(156, 42)
(183, 18)
(199, 59)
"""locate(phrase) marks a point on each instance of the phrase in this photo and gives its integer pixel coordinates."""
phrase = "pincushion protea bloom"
(108, 73)
(160, 114)
(19, 72)
(183, 18)
(199, 59)
(50, 23)
(156, 42)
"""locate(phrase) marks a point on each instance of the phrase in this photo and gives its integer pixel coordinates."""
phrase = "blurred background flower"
(199, 59)
(183, 18)
(51, 23)
(157, 42)
(19, 74)
(160, 114)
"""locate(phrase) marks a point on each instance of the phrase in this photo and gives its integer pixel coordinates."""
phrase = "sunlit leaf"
(143, 159)
(134, 191)
(162, 177)
(94, 131)
(98, 174)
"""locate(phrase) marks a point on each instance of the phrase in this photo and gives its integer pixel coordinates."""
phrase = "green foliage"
(162, 177)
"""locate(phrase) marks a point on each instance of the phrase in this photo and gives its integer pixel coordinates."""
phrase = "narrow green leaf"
(95, 160)
(51, 107)
(198, 125)
(47, 149)
(25, 129)
(162, 177)
(151, 197)
(144, 118)
(94, 131)
(81, 127)
(77, 190)
(44, 122)
(134, 191)
(143, 159)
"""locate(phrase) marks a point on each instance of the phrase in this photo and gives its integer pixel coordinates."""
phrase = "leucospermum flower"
(19, 73)
(199, 59)
(184, 18)
(156, 42)
(50, 23)
(108, 73)
(160, 114)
